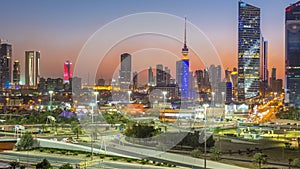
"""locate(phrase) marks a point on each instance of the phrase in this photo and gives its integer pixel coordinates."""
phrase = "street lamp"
(95, 93)
(213, 98)
(129, 93)
(92, 136)
(164, 93)
(205, 116)
(223, 99)
(51, 93)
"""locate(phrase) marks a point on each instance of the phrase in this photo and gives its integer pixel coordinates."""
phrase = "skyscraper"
(159, 75)
(182, 68)
(249, 38)
(150, 77)
(135, 80)
(125, 72)
(16, 73)
(214, 76)
(292, 54)
(5, 64)
(264, 67)
(32, 68)
(67, 71)
(167, 76)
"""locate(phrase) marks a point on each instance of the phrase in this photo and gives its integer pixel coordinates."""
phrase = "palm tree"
(290, 161)
(259, 158)
(76, 129)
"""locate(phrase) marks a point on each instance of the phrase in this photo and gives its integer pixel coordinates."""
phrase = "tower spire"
(185, 49)
(184, 31)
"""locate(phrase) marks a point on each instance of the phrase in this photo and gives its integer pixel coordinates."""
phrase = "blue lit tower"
(249, 39)
(185, 80)
(292, 54)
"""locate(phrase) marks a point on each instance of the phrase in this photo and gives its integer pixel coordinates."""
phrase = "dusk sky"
(60, 28)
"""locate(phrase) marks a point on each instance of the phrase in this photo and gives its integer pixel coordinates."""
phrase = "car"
(74, 142)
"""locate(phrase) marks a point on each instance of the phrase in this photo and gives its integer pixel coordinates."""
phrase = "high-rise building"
(67, 71)
(16, 73)
(5, 64)
(101, 82)
(135, 80)
(292, 53)
(167, 76)
(214, 76)
(125, 72)
(249, 38)
(159, 75)
(32, 68)
(150, 77)
(182, 70)
(264, 67)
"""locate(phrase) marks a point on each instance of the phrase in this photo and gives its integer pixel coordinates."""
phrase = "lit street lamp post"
(223, 98)
(92, 136)
(205, 117)
(95, 93)
(51, 93)
(164, 93)
(129, 93)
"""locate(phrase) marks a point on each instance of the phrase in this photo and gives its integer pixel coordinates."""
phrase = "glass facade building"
(5, 65)
(292, 55)
(125, 72)
(68, 69)
(32, 68)
(249, 43)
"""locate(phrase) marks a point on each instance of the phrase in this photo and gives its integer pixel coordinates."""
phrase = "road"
(58, 160)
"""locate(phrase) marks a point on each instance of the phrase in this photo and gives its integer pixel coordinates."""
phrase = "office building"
(150, 77)
(125, 72)
(135, 80)
(16, 73)
(5, 64)
(292, 53)
(32, 68)
(249, 43)
(67, 71)
(160, 75)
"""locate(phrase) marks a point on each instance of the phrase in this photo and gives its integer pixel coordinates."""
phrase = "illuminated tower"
(249, 38)
(16, 73)
(125, 71)
(182, 69)
(292, 54)
(5, 64)
(67, 71)
(32, 68)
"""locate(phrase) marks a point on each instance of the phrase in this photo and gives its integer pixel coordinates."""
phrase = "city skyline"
(68, 32)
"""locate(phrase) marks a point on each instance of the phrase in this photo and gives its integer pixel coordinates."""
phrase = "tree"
(296, 162)
(66, 166)
(290, 161)
(196, 153)
(215, 154)
(43, 164)
(14, 164)
(26, 142)
(76, 129)
(259, 159)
